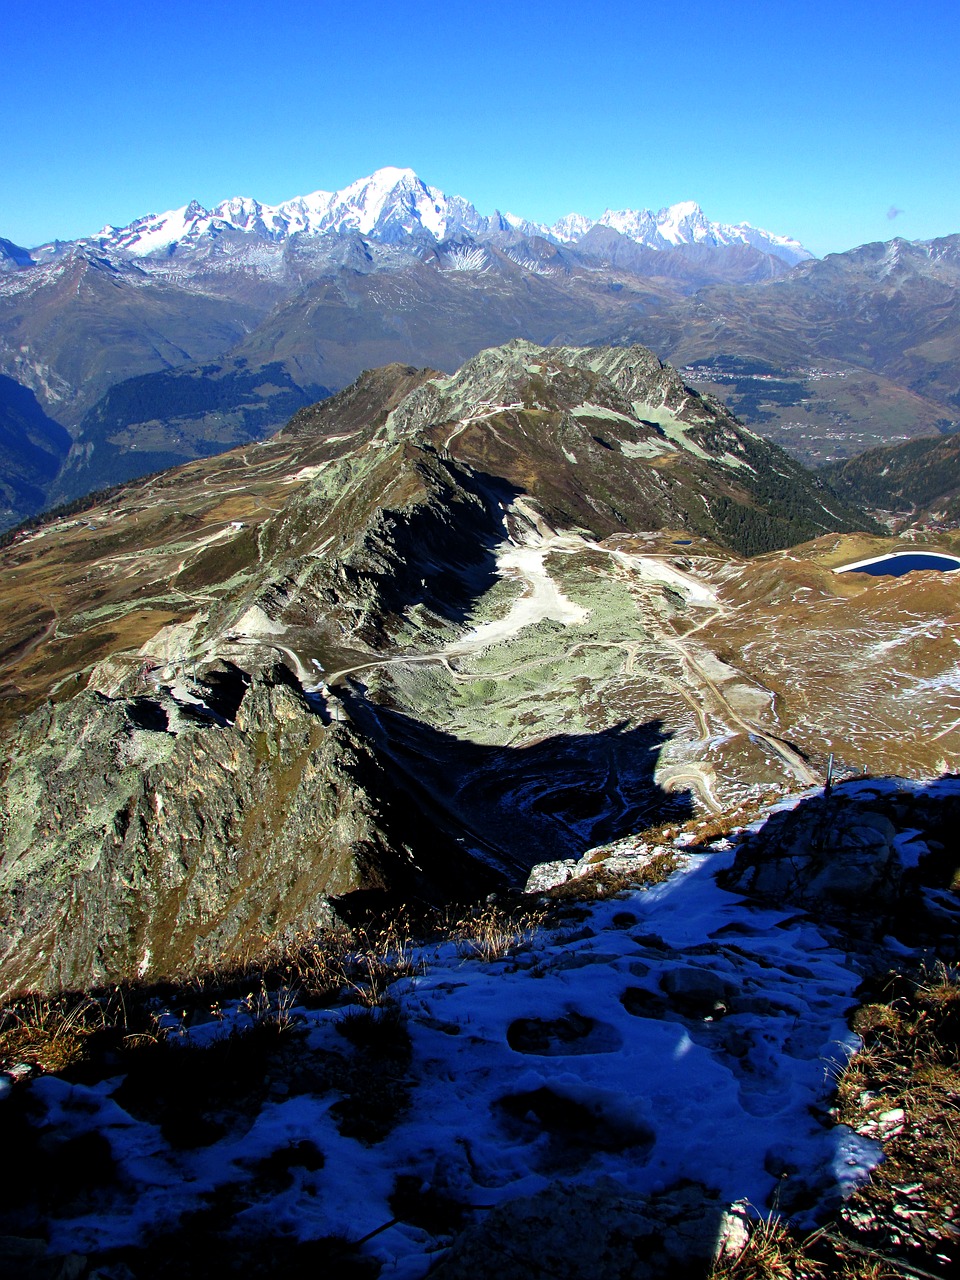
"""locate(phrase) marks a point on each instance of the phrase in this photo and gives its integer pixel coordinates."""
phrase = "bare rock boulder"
(826, 852)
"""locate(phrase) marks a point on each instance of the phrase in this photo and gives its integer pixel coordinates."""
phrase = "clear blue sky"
(812, 119)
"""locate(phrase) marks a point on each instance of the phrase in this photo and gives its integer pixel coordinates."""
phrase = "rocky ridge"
(234, 776)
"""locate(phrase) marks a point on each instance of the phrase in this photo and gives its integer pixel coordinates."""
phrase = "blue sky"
(811, 119)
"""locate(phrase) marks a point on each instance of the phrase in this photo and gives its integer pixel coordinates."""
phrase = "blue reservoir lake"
(901, 562)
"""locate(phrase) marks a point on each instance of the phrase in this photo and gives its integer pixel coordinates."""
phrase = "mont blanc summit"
(394, 204)
(390, 204)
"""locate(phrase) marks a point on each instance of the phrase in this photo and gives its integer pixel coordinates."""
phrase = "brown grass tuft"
(48, 1034)
(771, 1253)
(909, 1064)
(492, 932)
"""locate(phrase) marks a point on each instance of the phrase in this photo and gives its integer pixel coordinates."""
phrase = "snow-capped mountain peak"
(684, 223)
(389, 197)
(571, 227)
(393, 205)
(390, 204)
(679, 224)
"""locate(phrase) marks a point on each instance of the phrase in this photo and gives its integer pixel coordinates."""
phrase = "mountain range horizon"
(373, 200)
(185, 332)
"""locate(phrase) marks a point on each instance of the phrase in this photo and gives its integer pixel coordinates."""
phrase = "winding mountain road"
(542, 599)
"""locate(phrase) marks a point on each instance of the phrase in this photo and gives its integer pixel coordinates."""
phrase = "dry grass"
(266, 1007)
(910, 1064)
(772, 1252)
(720, 825)
(492, 932)
(375, 1083)
(49, 1034)
(340, 966)
(315, 964)
(605, 882)
(379, 962)
(320, 968)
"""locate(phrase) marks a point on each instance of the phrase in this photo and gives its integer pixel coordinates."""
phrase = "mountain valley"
(917, 481)
(188, 332)
(454, 831)
(423, 613)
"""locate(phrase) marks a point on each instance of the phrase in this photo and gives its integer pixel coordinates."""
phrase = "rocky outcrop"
(826, 852)
(858, 851)
(149, 837)
(625, 858)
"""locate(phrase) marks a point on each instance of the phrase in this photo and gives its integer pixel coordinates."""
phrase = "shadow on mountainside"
(517, 806)
(434, 547)
(881, 851)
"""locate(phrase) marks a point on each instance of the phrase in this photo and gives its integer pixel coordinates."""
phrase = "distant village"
(710, 373)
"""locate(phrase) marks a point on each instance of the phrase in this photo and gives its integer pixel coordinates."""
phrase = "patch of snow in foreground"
(730, 1101)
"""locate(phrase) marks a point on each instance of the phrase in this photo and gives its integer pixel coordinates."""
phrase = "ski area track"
(524, 559)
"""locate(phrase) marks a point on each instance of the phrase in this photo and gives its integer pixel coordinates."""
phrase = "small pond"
(901, 562)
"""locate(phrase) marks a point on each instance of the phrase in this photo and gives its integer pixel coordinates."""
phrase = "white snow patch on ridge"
(541, 601)
(655, 569)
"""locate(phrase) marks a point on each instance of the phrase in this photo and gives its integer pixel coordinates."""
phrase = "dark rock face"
(697, 991)
(827, 852)
(12, 255)
(869, 850)
(592, 1233)
(164, 844)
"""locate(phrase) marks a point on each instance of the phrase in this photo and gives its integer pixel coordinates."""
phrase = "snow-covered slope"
(679, 224)
(679, 1034)
(390, 204)
(394, 205)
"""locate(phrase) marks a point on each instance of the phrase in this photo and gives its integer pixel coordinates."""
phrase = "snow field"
(674, 1032)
